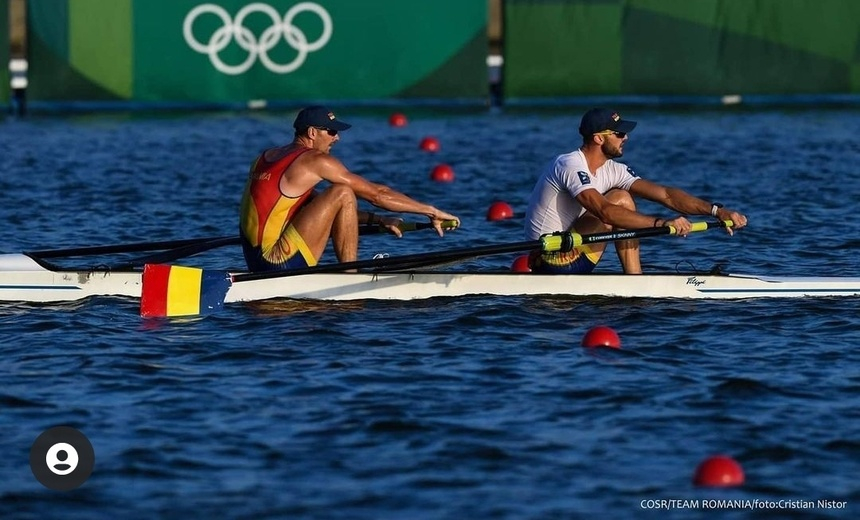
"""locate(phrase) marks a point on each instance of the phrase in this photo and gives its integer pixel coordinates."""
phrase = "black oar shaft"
(373, 229)
(200, 247)
(612, 236)
(186, 247)
(391, 261)
(120, 248)
(180, 252)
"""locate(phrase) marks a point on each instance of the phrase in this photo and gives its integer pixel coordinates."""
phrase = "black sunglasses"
(620, 135)
(329, 131)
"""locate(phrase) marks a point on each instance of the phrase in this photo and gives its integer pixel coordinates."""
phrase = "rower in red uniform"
(285, 224)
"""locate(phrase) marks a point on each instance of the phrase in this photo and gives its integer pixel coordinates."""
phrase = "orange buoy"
(521, 264)
(719, 471)
(430, 144)
(601, 336)
(500, 211)
(397, 119)
(442, 173)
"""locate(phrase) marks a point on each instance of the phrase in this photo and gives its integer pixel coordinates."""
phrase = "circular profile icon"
(62, 458)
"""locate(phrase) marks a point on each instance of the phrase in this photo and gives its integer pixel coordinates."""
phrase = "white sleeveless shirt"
(553, 205)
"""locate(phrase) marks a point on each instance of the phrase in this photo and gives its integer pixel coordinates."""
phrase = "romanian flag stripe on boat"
(173, 290)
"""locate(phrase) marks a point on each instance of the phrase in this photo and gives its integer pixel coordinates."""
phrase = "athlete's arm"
(682, 202)
(596, 204)
(672, 198)
(380, 195)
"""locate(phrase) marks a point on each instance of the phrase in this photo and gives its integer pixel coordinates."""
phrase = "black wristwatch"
(715, 206)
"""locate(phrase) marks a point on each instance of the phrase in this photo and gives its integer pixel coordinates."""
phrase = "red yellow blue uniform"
(269, 240)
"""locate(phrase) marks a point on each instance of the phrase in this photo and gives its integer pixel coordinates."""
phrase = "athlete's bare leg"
(627, 250)
(334, 212)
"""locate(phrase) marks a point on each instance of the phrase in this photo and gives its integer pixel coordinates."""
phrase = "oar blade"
(172, 290)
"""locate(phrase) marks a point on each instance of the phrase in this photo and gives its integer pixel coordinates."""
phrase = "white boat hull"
(24, 280)
(420, 285)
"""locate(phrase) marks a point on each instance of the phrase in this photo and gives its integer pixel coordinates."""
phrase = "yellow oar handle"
(567, 241)
(560, 242)
(703, 226)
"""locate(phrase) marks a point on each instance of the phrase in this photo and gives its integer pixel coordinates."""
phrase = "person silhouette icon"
(62, 455)
(62, 458)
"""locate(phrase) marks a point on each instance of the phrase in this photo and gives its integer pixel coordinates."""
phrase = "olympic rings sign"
(246, 39)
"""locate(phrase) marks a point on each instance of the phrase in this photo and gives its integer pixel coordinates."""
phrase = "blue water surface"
(452, 408)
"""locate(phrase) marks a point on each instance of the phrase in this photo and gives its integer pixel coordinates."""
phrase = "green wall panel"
(277, 50)
(680, 47)
(102, 52)
(456, 78)
(51, 75)
(717, 62)
(550, 46)
(376, 49)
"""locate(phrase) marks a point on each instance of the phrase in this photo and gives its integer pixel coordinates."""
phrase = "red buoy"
(601, 336)
(521, 264)
(442, 173)
(500, 211)
(719, 471)
(430, 144)
(397, 119)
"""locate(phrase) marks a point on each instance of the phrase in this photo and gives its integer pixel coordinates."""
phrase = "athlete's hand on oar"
(739, 220)
(682, 226)
(385, 224)
(392, 224)
(442, 220)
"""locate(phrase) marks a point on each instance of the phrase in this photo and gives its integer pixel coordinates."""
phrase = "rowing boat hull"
(421, 285)
(24, 280)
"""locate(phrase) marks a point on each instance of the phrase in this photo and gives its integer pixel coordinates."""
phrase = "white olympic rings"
(248, 41)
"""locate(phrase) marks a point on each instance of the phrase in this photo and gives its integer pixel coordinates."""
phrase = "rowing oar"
(176, 249)
(135, 247)
(373, 229)
(185, 291)
(180, 252)
(205, 245)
